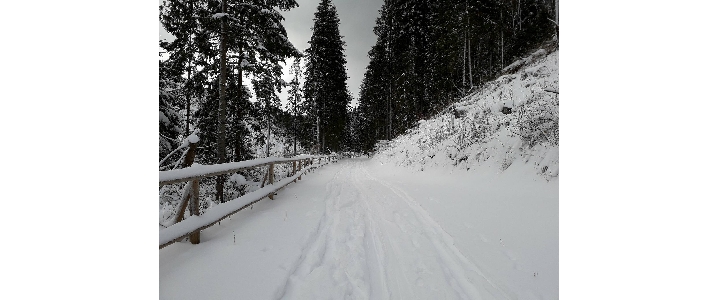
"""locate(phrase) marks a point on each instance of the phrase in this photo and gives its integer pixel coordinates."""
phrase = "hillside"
(475, 133)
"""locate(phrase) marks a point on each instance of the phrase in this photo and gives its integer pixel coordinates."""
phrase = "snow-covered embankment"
(475, 133)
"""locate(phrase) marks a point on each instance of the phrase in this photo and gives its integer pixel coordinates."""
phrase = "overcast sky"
(357, 19)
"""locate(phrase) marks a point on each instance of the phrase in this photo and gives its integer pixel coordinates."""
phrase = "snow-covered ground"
(465, 206)
(475, 133)
(360, 229)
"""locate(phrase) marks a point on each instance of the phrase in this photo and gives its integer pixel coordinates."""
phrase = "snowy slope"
(475, 133)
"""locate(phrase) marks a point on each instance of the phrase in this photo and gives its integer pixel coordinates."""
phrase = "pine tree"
(326, 78)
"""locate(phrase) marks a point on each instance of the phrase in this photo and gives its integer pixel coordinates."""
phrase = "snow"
(218, 212)
(164, 119)
(238, 178)
(362, 230)
(193, 138)
(480, 135)
(460, 207)
(200, 170)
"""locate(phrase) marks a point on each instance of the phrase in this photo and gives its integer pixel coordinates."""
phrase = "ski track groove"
(446, 241)
(355, 249)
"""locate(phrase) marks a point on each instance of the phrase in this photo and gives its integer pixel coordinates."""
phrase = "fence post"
(300, 168)
(294, 169)
(188, 160)
(194, 209)
(271, 179)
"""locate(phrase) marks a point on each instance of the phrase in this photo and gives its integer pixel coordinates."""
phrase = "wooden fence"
(195, 223)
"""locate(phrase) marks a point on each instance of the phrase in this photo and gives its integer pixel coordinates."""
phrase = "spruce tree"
(429, 54)
(326, 78)
(170, 84)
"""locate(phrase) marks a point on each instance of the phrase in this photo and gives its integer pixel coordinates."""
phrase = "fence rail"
(193, 173)
(201, 171)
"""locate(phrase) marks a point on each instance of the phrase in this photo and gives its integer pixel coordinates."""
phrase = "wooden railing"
(193, 173)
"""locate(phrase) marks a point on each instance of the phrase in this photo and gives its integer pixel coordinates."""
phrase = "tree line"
(203, 87)
(429, 53)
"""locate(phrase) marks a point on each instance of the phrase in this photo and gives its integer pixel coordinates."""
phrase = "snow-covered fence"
(195, 223)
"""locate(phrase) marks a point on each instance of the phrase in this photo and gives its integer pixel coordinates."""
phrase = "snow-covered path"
(359, 235)
(375, 242)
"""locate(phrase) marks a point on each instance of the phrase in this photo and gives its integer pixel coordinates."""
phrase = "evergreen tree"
(169, 117)
(295, 99)
(326, 78)
(266, 85)
(213, 38)
(239, 110)
(182, 19)
(431, 53)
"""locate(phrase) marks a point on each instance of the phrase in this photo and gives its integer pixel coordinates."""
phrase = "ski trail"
(334, 265)
(379, 288)
(456, 262)
(315, 242)
(375, 242)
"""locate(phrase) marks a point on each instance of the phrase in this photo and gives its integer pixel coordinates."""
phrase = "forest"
(220, 78)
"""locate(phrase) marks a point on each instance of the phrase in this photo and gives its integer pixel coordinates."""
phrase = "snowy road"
(355, 236)
(375, 242)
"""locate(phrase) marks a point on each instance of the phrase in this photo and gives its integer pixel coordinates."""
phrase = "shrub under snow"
(474, 133)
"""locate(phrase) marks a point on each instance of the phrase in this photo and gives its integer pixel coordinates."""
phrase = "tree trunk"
(187, 95)
(189, 76)
(520, 21)
(271, 179)
(479, 61)
(294, 126)
(269, 129)
(188, 160)
(466, 27)
(502, 39)
(222, 114)
(471, 75)
(238, 141)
